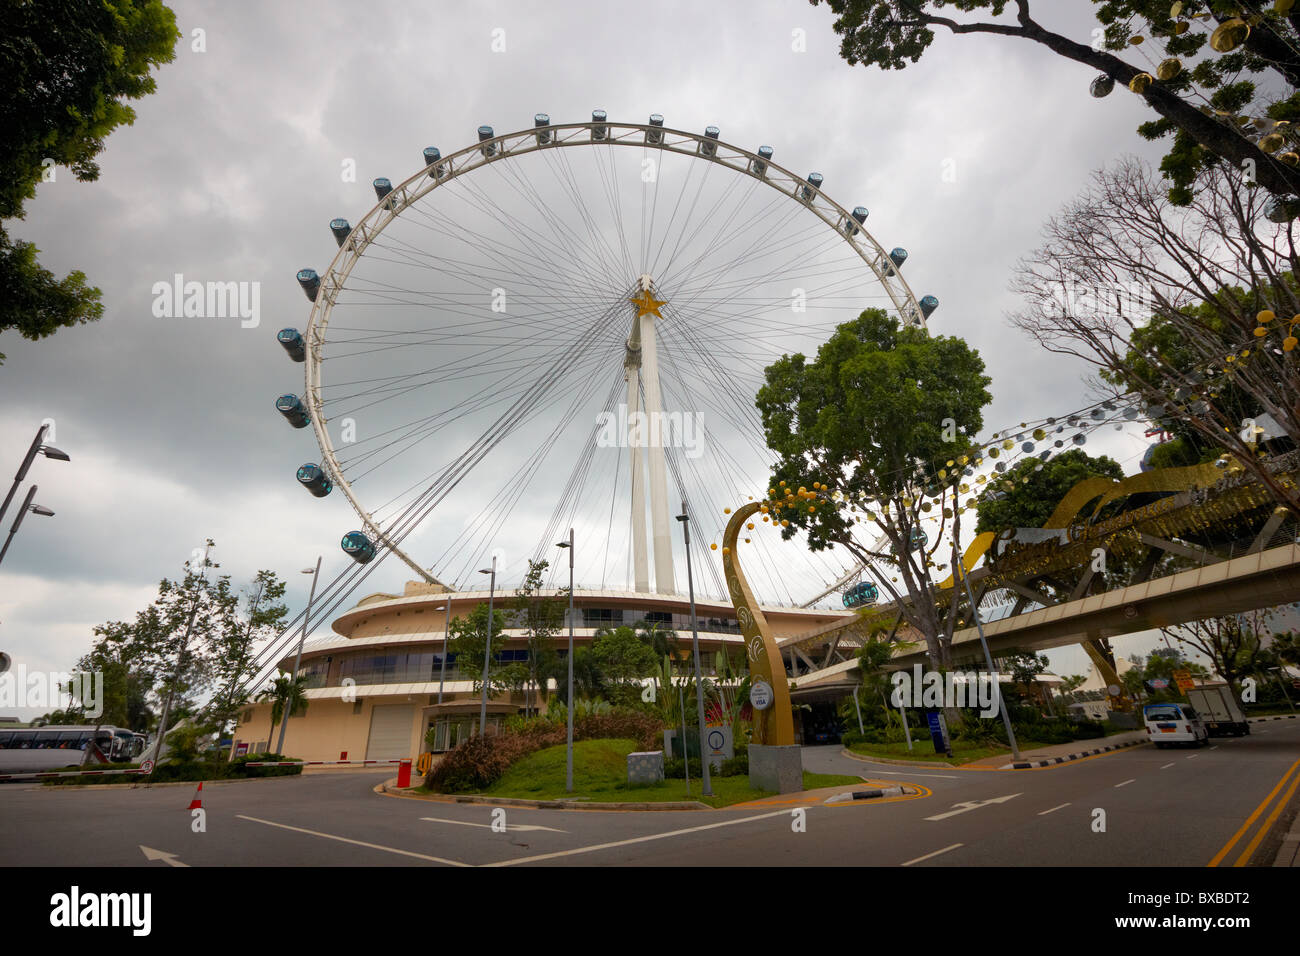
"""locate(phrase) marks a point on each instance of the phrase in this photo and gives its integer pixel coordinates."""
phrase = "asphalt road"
(1161, 808)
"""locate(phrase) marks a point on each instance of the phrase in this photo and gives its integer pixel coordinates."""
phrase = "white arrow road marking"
(1043, 813)
(519, 827)
(969, 805)
(935, 853)
(151, 855)
(372, 846)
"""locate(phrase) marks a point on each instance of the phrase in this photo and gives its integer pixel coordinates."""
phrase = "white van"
(1174, 724)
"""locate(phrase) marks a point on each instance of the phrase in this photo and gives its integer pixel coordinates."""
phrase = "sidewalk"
(1060, 753)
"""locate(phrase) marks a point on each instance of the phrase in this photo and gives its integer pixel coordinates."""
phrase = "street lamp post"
(446, 634)
(487, 647)
(293, 674)
(988, 660)
(568, 759)
(27, 506)
(49, 451)
(685, 519)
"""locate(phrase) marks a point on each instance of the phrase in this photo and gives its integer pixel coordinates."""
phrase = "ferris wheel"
(537, 303)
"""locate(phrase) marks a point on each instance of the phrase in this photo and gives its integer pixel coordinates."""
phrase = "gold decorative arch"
(775, 725)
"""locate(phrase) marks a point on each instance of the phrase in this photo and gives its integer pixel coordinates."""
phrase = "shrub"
(735, 766)
(646, 729)
(675, 769)
(238, 767)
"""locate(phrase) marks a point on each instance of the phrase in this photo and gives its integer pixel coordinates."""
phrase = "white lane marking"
(642, 839)
(1125, 783)
(967, 805)
(372, 846)
(519, 827)
(151, 854)
(1192, 756)
(1043, 813)
(1215, 747)
(935, 853)
(940, 776)
(1168, 765)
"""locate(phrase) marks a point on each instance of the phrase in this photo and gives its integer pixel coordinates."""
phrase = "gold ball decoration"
(1141, 82)
(726, 551)
(713, 547)
(1272, 142)
(1168, 69)
(1229, 35)
(1289, 157)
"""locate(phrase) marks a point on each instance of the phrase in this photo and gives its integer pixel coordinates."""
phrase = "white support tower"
(641, 371)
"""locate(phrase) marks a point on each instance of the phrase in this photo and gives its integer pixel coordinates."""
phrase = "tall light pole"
(49, 451)
(568, 765)
(27, 506)
(988, 660)
(446, 634)
(487, 647)
(293, 674)
(685, 519)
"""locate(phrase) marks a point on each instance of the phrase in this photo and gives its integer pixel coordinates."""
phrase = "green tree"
(1026, 496)
(469, 640)
(879, 426)
(67, 70)
(541, 619)
(623, 659)
(1198, 104)
(287, 696)
(233, 639)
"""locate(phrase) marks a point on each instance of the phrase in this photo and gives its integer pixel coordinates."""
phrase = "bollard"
(404, 774)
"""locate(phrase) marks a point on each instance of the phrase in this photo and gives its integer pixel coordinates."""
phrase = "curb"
(1053, 761)
(899, 763)
(865, 795)
(388, 789)
(1260, 720)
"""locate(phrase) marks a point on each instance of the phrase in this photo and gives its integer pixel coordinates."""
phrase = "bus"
(38, 749)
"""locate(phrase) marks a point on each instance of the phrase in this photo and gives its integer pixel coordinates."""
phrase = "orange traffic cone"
(197, 802)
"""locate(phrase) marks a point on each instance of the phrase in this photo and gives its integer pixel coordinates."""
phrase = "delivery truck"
(1218, 707)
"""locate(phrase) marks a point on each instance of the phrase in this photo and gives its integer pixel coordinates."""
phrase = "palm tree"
(283, 689)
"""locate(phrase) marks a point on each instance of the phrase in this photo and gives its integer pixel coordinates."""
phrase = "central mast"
(641, 371)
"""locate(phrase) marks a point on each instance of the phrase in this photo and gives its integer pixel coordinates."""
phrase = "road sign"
(938, 732)
(146, 768)
(1159, 683)
(1184, 680)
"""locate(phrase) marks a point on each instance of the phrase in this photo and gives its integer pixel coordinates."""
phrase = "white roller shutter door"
(390, 731)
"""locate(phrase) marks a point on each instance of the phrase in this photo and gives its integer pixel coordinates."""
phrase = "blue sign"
(938, 731)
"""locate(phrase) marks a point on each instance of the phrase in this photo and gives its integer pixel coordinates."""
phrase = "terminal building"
(377, 686)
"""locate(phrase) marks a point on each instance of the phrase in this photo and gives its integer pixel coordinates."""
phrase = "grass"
(600, 776)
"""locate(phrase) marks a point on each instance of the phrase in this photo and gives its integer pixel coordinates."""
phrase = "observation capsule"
(292, 408)
(759, 166)
(431, 156)
(599, 131)
(358, 547)
(488, 149)
(862, 593)
(341, 230)
(710, 147)
(292, 341)
(655, 136)
(542, 123)
(928, 304)
(313, 478)
(310, 282)
(382, 188)
(859, 217)
(806, 193)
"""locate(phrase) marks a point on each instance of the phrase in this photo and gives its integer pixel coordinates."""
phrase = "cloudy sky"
(232, 170)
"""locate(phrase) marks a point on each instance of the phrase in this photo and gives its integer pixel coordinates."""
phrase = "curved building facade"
(379, 683)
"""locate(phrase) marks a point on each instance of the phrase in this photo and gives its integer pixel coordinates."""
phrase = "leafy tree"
(879, 427)
(623, 659)
(1199, 104)
(287, 695)
(468, 641)
(231, 648)
(541, 619)
(67, 70)
(1186, 314)
(1028, 494)
(1287, 648)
